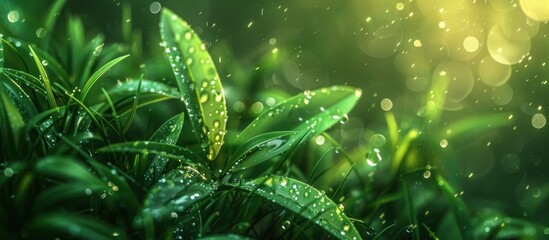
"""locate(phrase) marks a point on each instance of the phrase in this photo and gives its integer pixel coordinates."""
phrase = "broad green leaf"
(65, 169)
(54, 196)
(313, 111)
(305, 201)
(97, 74)
(174, 194)
(161, 149)
(264, 147)
(168, 133)
(71, 226)
(229, 236)
(128, 88)
(197, 79)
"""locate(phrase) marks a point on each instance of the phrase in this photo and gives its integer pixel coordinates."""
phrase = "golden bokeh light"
(536, 9)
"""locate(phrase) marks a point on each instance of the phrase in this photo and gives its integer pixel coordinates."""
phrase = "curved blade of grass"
(471, 125)
(198, 80)
(11, 125)
(70, 226)
(168, 133)
(314, 111)
(97, 74)
(457, 206)
(147, 86)
(65, 168)
(161, 149)
(25, 78)
(45, 79)
(19, 97)
(305, 201)
(50, 21)
(175, 194)
(262, 148)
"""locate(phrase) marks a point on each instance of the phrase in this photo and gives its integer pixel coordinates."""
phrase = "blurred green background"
(429, 63)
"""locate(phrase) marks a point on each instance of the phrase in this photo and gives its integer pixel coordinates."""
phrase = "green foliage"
(103, 140)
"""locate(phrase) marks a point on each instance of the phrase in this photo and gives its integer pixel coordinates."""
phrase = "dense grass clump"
(103, 140)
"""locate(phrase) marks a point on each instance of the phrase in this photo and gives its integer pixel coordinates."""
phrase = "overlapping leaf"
(197, 79)
(304, 200)
(168, 133)
(313, 111)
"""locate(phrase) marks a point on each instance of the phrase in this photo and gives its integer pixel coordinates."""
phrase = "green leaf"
(50, 22)
(11, 125)
(45, 78)
(71, 226)
(229, 236)
(19, 97)
(1, 53)
(97, 74)
(262, 148)
(128, 88)
(161, 149)
(175, 194)
(457, 206)
(198, 80)
(314, 111)
(305, 201)
(66, 169)
(25, 78)
(168, 133)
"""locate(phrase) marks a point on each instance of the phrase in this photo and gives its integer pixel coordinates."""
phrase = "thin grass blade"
(97, 74)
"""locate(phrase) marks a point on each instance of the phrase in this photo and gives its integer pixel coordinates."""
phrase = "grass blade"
(45, 79)
(304, 200)
(174, 194)
(50, 21)
(262, 148)
(174, 152)
(65, 224)
(314, 111)
(97, 74)
(168, 133)
(198, 81)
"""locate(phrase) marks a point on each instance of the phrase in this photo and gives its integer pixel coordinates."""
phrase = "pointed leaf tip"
(197, 79)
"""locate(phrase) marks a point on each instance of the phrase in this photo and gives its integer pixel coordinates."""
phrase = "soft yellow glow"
(493, 73)
(536, 9)
(505, 50)
(470, 44)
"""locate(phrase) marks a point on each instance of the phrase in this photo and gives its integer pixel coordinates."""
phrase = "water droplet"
(204, 97)
(427, 174)
(539, 121)
(283, 181)
(286, 225)
(188, 35)
(40, 32)
(386, 104)
(44, 63)
(98, 49)
(443, 143)
(8, 172)
(410, 228)
(13, 16)
(155, 7)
